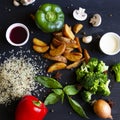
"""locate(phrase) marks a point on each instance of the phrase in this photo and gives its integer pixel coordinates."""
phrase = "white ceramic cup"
(110, 43)
(9, 30)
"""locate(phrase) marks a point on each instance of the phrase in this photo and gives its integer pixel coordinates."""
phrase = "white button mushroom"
(96, 20)
(87, 39)
(80, 14)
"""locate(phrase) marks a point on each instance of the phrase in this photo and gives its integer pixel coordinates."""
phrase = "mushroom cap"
(80, 14)
(96, 20)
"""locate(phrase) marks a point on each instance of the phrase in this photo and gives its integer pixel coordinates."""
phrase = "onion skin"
(102, 109)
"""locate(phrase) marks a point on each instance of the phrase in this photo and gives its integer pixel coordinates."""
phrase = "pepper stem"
(50, 16)
(37, 103)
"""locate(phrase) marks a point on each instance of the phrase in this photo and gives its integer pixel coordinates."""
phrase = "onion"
(102, 109)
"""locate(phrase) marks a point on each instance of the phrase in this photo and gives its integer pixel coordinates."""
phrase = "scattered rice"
(17, 75)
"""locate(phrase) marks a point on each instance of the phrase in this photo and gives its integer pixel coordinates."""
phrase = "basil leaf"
(57, 91)
(48, 82)
(60, 93)
(77, 107)
(70, 90)
(52, 98)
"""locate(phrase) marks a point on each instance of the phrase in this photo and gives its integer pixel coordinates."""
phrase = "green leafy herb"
(59, 92)
(52, 98)
(70, 90)
(48, 82)
(77, 107)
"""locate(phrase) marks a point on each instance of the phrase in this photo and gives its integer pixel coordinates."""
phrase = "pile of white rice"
(17, 72)
(16, 79)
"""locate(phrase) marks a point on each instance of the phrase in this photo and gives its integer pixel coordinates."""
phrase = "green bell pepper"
(49, 17)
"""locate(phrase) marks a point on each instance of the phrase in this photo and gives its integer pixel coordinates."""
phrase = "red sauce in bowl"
(18, 35)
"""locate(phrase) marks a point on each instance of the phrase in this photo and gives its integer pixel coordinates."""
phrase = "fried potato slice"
(68, 49)
(55, 58)
(56, 42)
(69, 42)
(77, 28)
(58, 34)
(78, 44)
(52, 46)
(40, 49)
(86, 55)
(58, 51)
(75, 64)
(73, 56)
(39, 42)
(64, 39)
(68, 32)
(71, 45)
(56, 66)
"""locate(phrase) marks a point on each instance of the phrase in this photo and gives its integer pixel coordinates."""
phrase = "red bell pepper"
(30, 108)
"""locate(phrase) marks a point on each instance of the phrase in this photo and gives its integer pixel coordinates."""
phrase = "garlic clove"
(16, 3)
(87, 39)
(96, 20)
(27, 2)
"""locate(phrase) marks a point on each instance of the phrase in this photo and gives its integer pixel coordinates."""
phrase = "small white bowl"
(17, 34)
(110, 43)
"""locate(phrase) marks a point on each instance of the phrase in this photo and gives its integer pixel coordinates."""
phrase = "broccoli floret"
(84, 67)
(103, 88)
(102, 67)
(93, 62)
(86, 96)
(102, 77)
(93, 78)
(116, 69)
(90, 82)
(81, 72)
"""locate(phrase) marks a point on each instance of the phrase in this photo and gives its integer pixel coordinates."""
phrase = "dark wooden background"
(110, 12)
